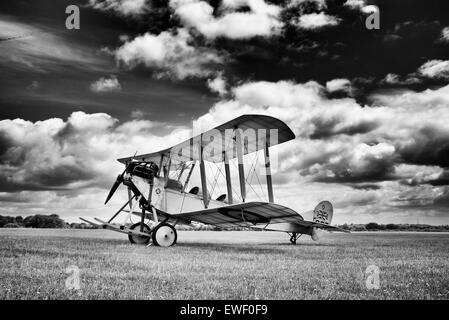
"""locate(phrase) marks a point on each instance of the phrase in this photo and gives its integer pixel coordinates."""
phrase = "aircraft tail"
(322, 213)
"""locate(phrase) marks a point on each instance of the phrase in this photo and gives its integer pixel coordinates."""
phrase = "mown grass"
(223, 265)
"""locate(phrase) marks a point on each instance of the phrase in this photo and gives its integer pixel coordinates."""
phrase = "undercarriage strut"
(294, 236)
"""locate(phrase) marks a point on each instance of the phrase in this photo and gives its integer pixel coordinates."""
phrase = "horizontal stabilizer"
(322, 226)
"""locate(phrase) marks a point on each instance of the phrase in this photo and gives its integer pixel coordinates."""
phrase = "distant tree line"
(372, 226)
(39, 221)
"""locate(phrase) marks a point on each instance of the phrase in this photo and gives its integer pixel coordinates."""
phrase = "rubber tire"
(140, 240)
(153, 235)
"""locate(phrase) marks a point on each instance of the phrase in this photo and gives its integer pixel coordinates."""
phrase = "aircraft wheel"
(164, 235)
(139, 239)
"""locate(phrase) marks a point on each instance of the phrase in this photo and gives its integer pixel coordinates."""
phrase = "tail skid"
(122, 229)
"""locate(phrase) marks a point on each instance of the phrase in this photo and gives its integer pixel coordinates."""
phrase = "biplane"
(161, 185)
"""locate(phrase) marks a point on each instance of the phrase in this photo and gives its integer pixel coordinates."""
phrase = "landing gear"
(137, 239)
(164, 235)
(294, 236)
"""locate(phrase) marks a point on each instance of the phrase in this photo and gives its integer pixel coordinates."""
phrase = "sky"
(369, 107)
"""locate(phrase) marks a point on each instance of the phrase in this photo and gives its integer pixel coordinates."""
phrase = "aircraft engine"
(145, 170)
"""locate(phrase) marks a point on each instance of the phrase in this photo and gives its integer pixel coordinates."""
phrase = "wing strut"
(268, 172)
(130, 194)
(188, 177)
(239, 147)
(182, 171)
(160, 165)
(203, 175)
(167, 169)
(228, 177)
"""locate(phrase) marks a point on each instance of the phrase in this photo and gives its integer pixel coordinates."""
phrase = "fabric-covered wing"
(247, 214)
(243, 215)
(255, 130)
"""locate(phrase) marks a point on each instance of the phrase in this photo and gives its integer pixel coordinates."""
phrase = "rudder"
(323, 213)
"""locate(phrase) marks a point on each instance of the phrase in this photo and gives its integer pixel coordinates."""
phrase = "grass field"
(223, 265)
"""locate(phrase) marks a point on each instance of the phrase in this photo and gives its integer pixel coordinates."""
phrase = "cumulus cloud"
(123, 7)
(339, 85)
(355, 4)
(79, 152)
(437, 69)
(370, 9)
(433, 69)
(261, 20)
(218, 85)
(364, 163)
(320, 3)
(350, 142)
(394, 79)
(34, 157)
(419, 125)
(314, 120)
(314, 21)
(445, 35)
(441, 180)
(391, 78)
(170, 54)
(106, 85)
(429, 100)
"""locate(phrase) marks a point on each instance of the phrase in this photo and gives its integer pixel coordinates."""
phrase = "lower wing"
(247, 214)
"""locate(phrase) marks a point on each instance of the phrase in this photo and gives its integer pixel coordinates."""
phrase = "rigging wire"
(234, 192)
(257, 176)
(251, 174)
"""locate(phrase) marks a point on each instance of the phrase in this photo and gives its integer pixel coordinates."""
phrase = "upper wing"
(221, 139)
